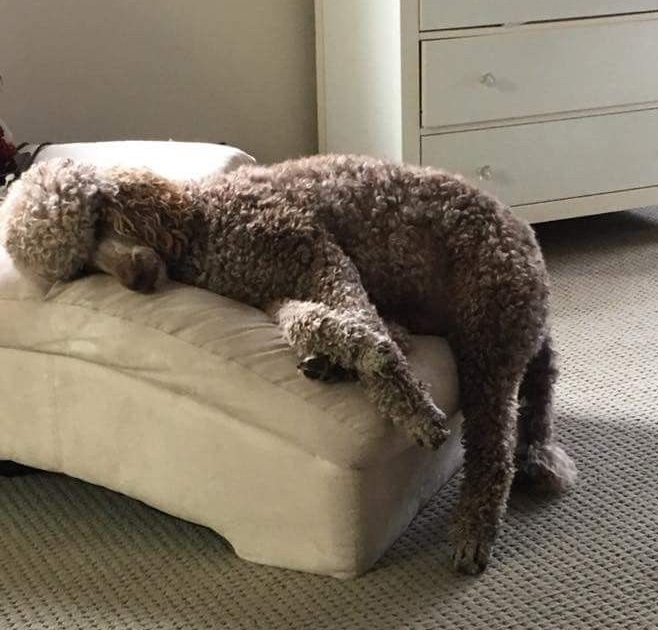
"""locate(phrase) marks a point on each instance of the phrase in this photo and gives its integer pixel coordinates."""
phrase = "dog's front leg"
(348, 338)
(136, 266)
(320, 368)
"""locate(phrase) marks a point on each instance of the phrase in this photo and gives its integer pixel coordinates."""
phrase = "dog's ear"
(49, 218)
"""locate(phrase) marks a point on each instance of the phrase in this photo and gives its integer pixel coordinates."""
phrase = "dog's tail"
(542, 464)
(49, 216)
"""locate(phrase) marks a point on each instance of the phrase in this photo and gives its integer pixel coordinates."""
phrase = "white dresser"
(552, 105)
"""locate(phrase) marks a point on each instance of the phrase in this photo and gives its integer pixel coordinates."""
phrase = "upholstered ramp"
(193, 404)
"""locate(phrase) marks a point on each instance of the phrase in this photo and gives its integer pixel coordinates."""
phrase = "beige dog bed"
(192, 403)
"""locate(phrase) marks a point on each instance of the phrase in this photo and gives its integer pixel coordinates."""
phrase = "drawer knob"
(485, 173)
(488, 79)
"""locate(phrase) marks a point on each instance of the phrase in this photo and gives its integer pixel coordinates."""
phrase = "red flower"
(7, 149)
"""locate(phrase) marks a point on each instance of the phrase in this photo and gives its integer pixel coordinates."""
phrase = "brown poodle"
(334, 247)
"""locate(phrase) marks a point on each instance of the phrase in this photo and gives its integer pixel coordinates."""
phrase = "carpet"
(75, 556)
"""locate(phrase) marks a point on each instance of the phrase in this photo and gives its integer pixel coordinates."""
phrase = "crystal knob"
(485, 173)
(488, 79)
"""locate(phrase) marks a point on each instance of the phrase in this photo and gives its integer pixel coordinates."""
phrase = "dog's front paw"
(320, 368)
(144, 270)
(470, 555)
(429, 427)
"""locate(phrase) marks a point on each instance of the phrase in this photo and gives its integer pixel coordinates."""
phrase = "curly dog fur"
(334, 247)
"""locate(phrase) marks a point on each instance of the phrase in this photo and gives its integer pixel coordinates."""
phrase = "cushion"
(192, 403)
(176, 160)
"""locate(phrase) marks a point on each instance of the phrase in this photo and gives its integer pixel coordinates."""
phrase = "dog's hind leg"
(541, 464)
(488, 391)
(136, 266)
(500, 303)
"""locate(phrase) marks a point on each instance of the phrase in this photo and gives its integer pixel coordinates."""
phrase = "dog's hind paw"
(545, 469)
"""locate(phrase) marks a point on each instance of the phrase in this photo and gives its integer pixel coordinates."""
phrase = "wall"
(237, 71)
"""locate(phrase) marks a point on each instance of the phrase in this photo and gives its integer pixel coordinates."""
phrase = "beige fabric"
(192, 403)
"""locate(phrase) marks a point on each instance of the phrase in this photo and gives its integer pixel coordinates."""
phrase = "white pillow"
(175, 160)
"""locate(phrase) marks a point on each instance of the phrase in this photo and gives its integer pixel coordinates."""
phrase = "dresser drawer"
(538, 71)
(553, 160)
(439, 14)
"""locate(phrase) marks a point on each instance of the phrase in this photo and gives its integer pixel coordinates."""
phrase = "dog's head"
(48, 218)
